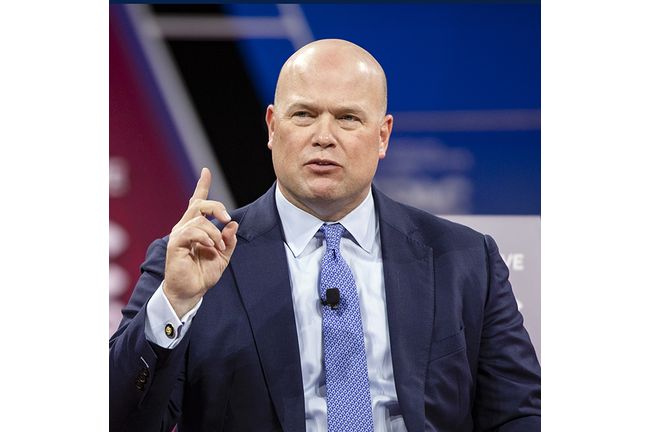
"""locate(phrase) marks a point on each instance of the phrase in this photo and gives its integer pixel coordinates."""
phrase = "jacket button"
(139, 385)
(145, 371)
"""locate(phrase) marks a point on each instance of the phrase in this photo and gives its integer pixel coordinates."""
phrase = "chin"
(324, 191)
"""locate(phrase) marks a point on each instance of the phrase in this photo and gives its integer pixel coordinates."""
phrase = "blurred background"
(189, 86)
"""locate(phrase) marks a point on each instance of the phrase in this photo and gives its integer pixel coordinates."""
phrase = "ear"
(384, 135)
(270, 123)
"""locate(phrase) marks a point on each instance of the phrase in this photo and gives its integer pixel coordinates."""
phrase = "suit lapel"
(408, 277)
(266, 293)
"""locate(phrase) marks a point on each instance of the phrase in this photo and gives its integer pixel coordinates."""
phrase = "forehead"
(340, 77)
(330, 57)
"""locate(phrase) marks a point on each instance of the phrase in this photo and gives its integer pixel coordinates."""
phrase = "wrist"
(181, 305)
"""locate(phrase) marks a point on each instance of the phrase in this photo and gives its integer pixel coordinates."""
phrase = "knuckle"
(195, 203)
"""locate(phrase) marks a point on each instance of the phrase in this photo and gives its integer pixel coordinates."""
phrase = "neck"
(326, 210)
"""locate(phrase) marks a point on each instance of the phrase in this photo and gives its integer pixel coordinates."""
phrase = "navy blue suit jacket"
(462, 359)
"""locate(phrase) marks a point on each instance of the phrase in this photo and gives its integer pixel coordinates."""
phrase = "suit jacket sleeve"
(145, 380)
(508, 389)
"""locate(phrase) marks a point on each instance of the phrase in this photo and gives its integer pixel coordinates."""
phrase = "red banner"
(148, 192)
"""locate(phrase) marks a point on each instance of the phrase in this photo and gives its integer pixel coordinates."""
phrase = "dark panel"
(231, 113)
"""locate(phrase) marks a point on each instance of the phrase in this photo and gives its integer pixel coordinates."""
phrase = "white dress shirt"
(305, 247)
(361, 249)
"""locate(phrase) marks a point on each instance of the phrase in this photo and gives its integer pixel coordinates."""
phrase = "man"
(227, 327)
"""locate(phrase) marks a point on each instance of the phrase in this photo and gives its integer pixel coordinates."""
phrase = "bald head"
(335, 55)
(328, 127)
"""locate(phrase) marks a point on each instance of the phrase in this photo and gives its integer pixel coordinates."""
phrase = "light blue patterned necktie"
(346, 371)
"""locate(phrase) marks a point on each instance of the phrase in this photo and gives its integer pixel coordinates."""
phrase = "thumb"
(229, 237)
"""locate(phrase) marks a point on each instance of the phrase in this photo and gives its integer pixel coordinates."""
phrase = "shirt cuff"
(161, 325)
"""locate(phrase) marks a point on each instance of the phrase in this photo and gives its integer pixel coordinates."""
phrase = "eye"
(350, 117)
(302, 118)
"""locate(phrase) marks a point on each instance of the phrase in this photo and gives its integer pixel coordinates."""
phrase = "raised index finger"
(202, 186)
(200, 205)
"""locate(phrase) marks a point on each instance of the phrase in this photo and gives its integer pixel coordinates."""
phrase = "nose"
(324, 132)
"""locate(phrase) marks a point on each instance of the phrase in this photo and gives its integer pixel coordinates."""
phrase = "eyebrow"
(351, 109)
(298, 105)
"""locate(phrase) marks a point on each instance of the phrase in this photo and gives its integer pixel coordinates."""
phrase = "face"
(327, 130)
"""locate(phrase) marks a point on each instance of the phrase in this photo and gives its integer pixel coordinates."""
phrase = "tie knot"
(333, 235)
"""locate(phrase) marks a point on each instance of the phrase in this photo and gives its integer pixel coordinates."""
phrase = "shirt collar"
(299, 226)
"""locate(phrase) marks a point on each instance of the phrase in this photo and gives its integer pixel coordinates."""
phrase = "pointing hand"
(197, 252)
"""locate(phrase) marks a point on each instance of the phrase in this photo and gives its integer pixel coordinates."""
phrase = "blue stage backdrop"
(464, 88)
(189, 85)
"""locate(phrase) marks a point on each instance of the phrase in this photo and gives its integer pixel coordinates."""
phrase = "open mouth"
(322, 162)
